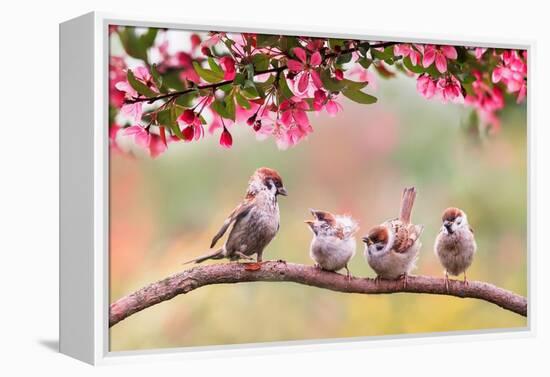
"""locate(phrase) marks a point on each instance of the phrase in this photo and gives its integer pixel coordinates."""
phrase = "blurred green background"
(165, 211)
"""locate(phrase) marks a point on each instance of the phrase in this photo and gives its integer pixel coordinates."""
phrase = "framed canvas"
(230, 189)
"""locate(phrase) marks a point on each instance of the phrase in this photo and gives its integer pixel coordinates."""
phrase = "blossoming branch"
(273, 83)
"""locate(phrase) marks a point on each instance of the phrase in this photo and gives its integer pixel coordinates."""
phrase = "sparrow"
(392, 247)
(455, 245)
(333, 243)
(254, 222)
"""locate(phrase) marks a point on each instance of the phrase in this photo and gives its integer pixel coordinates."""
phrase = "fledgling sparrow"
(455, 245)
(333, 243)
(392, 247)
(255, 220)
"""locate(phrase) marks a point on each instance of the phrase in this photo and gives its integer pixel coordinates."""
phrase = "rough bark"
(187, 281)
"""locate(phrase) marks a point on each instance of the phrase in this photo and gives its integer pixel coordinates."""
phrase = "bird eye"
(379, 247)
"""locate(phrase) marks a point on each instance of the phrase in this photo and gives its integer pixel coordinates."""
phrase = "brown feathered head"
(453, 218)
(270, 179)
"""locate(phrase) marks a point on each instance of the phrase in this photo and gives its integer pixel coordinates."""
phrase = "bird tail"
(407, 202)
(218, 254)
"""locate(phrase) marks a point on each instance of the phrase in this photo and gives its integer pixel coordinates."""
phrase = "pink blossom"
(358, 73)
(117, 73)
(439, 54)
(450, 88)
(226, 140)
(305, 69)
(512, 71)
(185, 63)
(134, 110)
(153, 143)
(195, 40)
(333, 107)
(294, 112)
(486, 98)
(322, 100)
(228, 65)
(156, 145)
(191, 125)
(478, 52)
(214, 39)
(405, 50)
(426, 86)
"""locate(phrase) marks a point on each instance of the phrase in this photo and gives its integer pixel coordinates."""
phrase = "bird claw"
(404, 277)
(348, 274)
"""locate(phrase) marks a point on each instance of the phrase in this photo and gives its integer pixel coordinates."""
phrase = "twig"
(229, 273)
(280, 69)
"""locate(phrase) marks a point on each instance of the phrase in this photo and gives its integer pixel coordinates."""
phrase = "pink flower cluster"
(512, 71)
(307, 79)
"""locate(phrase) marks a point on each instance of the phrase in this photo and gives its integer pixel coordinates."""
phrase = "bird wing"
(241, 210)
(405, 236)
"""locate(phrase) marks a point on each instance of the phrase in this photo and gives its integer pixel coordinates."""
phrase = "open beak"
(366, 240)
(448, 225)
(310, 223)
(282, 191)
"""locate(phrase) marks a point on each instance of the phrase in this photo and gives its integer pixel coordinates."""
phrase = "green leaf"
(250, 92)
(343, 59)
(230, 106)
(225, 108)
(413, 68)
(206, 74)
(147, 39)
(132, 44)
(239, 79)
(285, 90)
(288, 43)
(359, 96)
(214, 66)
(365, 62)
(243, 102)
(157, 79)
(333, 42)
(331, 83)
(267, 40)
(261, 62)
(140, 87)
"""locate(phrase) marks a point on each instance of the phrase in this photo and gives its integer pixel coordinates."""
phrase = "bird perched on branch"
(255, 221)
(392, 247)
(455, 245)
(333, 244)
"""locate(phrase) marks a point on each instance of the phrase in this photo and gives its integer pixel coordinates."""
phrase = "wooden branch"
(187, 281)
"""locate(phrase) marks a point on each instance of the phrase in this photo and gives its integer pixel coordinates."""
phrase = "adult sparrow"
(333, 243)
(392, 247)
(255, 221)
(455, 244)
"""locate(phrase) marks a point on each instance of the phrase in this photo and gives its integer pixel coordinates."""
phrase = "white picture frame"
(84, 154)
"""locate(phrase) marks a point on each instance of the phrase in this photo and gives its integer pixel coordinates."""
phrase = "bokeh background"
(164, 211)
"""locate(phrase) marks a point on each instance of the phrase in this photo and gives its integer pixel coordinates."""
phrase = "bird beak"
(282, 191)
(310, 223)
(367, 240)
(448, 225)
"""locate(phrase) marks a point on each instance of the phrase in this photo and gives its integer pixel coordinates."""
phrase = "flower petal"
(429, 57)
(441, 63)
(315, 59)
(300, 54)
(449, 52)
(295, 65)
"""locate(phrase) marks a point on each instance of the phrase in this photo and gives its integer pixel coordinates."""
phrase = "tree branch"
(282, 68)
(229, 273)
